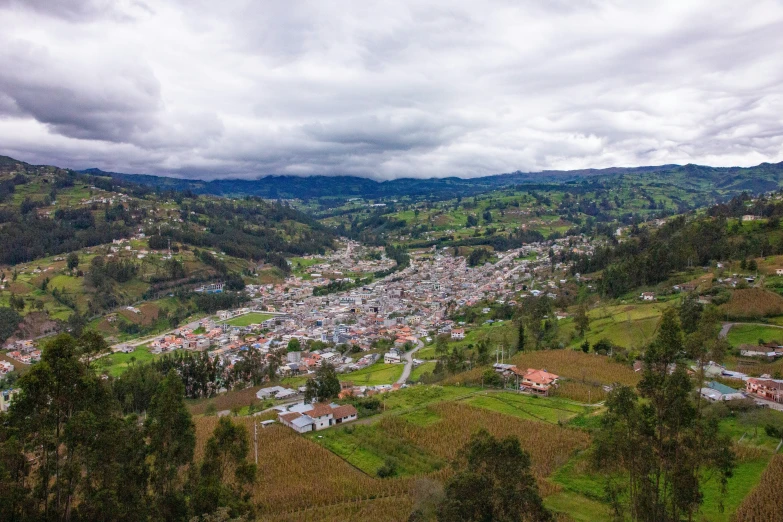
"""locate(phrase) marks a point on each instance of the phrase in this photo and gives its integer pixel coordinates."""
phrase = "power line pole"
(255, 438)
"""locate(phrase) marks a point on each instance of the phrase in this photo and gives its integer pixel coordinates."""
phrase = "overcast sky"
(206, 88)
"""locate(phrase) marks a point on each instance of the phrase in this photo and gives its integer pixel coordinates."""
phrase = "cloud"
(246, 89)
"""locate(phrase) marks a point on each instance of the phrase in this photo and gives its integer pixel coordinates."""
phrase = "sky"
(242, 89)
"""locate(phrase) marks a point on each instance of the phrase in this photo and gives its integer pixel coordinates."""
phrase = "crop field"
(420, 396)
(248, 319)
(751, 334)
(234, 399)
(425, 440)
(764, 503)
(752, 303)
(629, 326)
(528, 407)
(297, 476)
(550, 446)
(378, 373)
(578, 366)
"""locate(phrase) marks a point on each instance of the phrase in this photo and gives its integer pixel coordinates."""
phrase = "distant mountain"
(717, 180)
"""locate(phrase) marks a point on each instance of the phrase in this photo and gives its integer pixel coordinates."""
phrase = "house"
(6, 397)
(458, 334)
(779, 271)
(749, 217)
(319, 416)
(278, 392)
(715, 392)
(770, 389)
(647, 296)
(537, 381)
(392, 357)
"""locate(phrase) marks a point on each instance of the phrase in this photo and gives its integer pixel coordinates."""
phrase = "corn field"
(580, 392)
(295, 472)
(764, 503)
(578, 366)
(549, 446)
(384, 509)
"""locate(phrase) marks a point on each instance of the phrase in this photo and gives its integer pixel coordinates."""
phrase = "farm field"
(629, 326)
(288, 488)
(763, 502)
(116, 363)
(740, 334)
(544, 409)
(378, 373)
(248, 319)
(424, 440)
(420, 370)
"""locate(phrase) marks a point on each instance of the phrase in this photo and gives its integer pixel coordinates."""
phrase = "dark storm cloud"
(241, 88)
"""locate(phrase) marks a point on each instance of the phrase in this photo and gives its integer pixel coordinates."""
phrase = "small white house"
(779, 271)
(458, 334)
(392, 358)
(647, 296)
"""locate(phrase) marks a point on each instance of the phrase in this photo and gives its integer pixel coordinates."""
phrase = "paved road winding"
(409, 363)
(724, 331)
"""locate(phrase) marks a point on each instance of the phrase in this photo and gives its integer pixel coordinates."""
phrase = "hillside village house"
(716, 392)
(392, 357)
(458, 334)
(537, 381)
(303, 418)
(530, 380)
(770, 389)
(647, 296)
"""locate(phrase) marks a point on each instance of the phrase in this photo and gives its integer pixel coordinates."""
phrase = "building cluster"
(25, 352)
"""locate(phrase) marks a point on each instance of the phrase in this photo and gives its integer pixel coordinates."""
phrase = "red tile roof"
(342, 412)
(319, 410)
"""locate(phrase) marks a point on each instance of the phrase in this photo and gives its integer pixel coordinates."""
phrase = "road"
(724, 331)
(406, 372)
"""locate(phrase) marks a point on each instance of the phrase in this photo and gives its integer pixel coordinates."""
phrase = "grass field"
(420, 370)
(248, 319)
(378, 373)
(117, 363)
(751, 334)
(545, 409)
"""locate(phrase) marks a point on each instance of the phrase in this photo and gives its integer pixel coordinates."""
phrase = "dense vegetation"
(67, 452)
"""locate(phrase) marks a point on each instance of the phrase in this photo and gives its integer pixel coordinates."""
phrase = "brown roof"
(539, 376)
(341, 412)
(288, 417)
(319, 410)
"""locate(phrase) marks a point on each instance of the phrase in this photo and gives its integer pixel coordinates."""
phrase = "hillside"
(73, 243)
(719, 181)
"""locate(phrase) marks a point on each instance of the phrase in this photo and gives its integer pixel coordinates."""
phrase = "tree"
(224, 476)
(442, 345)
(493, 483)
(90, 461)
(324, 386)
(521, 336)
(581, 320)
(172, 439)
(9, 321)
(662, 443)
(690, 312)
(482, 352)
(72, 261)
(586, 346)
(294, 345)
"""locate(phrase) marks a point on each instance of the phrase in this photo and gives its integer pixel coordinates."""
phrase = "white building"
(315, 417)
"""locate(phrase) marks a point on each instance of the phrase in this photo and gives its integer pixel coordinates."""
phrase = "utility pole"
(255, 438)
